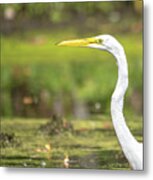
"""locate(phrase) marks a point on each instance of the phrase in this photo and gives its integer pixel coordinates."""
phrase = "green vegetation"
(78, 11)
(33, 63)
(92, 144)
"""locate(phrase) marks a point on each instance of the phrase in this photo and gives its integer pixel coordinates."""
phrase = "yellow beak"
(79, 42)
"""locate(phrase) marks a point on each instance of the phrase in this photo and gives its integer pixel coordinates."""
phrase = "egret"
(132, 149)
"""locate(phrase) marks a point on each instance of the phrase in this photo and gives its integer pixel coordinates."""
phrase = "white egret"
(133, 150)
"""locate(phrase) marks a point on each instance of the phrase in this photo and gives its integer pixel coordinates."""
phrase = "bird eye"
(99, 41)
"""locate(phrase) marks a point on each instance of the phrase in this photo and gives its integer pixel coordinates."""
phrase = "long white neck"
(128, 143)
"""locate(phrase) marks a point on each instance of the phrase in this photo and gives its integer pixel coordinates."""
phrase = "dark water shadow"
(20, 158)
(93, 164)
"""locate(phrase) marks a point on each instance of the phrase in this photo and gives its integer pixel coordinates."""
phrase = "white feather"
(133, 150)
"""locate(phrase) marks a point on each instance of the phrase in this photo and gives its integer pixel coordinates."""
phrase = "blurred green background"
(41, 80)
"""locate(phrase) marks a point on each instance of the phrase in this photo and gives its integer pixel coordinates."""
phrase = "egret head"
(102, 42)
